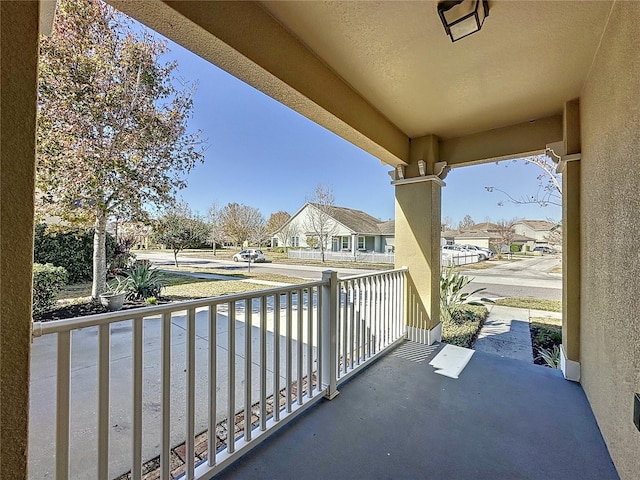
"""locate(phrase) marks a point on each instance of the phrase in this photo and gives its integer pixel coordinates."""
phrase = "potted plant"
(113, 298)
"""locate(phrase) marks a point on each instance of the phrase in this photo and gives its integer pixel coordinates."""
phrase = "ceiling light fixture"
(461, 18)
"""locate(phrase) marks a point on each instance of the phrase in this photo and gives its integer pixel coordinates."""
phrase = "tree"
(112, 123)
(216, 232)
(506, 233)
(447, 223)
(319, 221)
(240, 222)
(549, 184)
(180, 228)
(278, 223)
(466, 223)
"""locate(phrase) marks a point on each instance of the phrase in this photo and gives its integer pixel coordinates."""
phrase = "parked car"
(484, 252)
(544, 250)
(249, 254)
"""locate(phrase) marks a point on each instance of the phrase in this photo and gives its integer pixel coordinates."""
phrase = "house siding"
(610, 193)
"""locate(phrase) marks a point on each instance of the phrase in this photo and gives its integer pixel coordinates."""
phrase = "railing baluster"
(263, 363)
(319, 347)
(310, 343)
(276, 357)
(370, 330)
(231, 393)
(289, 353)
(62, 405)
(191, 392)
(300, 351)
(345, 322)
(104, 359)
(213, 381)
(165, 448)
(248, 330)
(358, 319)
(136, 470)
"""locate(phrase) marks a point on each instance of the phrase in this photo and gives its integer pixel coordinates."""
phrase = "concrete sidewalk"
(506, 332)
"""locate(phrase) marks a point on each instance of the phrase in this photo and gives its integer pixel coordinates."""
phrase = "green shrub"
(143, 281)
(279, 250)
(47, 282)
(68, 247)
(463, 326)
(516, 248)
(151, 301)
(451, 295)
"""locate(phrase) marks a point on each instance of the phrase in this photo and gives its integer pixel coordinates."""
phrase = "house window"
(295, 241)
(345, 243)
(361, 244)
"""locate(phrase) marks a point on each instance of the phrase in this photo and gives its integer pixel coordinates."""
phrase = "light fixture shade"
(461, 18)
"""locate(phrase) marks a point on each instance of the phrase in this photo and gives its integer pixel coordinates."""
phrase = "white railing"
(346, 256)
(214, 376)
(453, 258)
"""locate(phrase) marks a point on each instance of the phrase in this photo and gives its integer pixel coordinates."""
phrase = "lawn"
(75, 300)
(531, 303)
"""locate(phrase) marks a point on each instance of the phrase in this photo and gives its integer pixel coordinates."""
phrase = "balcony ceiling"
(528, 59)
(381, 73)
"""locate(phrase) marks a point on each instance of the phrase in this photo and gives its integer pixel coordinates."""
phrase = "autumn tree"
(319, 222)
(240, 222)
(112, 122)
(466, 223)
(506, 233)
(549, 184)
(277, 226)
(180, 228)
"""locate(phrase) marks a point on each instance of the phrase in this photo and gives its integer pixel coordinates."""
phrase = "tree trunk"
(99, 284)
(175, 257)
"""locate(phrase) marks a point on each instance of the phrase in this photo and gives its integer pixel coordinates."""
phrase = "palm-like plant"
(144, 282)
(550, 357)
(451, 295)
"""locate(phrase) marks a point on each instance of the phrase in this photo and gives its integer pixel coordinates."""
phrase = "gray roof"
(539, 224)
(360, 222)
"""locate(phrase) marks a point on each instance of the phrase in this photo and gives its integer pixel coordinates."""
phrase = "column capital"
(427, 178)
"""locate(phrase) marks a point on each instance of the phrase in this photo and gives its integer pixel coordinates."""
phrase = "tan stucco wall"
(610, 327)
(18, 59)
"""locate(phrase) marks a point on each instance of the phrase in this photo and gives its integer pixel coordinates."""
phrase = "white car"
(249, 255)
(485, 253)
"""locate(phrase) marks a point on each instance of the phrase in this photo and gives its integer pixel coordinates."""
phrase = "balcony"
(135, 394)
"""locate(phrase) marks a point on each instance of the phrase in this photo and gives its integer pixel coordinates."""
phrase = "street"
(529, 277)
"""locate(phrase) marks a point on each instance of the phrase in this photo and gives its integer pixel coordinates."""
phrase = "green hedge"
(466, 321)
(516, 248)
(47, 282)
(68, 247)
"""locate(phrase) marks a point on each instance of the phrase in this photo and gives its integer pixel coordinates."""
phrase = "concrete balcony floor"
(502, 419)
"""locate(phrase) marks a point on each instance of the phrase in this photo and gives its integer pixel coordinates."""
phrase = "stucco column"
(571, 244)
(18, 61)
(417, 229)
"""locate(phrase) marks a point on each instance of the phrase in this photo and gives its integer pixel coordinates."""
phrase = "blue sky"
(267, 156)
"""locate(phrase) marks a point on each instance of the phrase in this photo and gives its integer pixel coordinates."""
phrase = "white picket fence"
(346, 256)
